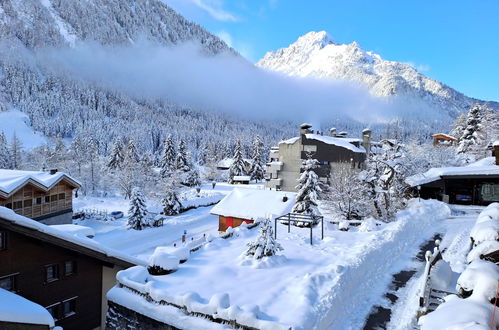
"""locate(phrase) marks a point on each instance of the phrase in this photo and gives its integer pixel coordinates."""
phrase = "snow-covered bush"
(265, 244)
(482, 249)
(137, 214)
(343, 225)
(368, 225)
(182, 254)
(480, 277)
(162, 263)
(485, 231)
(171, 204)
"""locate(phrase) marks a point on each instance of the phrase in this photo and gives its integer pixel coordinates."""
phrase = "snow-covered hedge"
(480, 277)
(162, 263)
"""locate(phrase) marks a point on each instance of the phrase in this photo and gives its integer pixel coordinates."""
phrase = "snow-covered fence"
(427, 292)
(95, 214)
(300, 219)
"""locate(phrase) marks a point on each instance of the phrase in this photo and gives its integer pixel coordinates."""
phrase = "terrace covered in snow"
(250, 205)
(477, 183)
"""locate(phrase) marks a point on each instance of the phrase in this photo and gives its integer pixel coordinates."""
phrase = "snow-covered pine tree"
(171, 204)
(237, 167)
(182, 164)
(265, 244)
(4, 152)
(257, 172)
(308, 189)
(472, 133)
(169, 157)
(116, 158)
(131, 152)
(137, 213)
(15, 152)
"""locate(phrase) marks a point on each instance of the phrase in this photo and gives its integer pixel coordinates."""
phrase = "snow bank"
(164, 260)
(482, 249)
(457, 314)
(14, 308)
(485, 231)
(480, 277)
(192, 199)
(77, 230)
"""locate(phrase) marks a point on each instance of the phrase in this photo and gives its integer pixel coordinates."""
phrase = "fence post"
(289, 223)
(275, 228)
(311, 234)
(322, 227)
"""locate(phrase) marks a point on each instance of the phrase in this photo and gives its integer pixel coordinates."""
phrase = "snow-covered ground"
(455, 232)
(17, 122)
(141, 244)
(332, 284)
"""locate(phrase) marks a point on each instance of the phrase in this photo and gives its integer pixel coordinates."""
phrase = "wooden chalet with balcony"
(45, 196)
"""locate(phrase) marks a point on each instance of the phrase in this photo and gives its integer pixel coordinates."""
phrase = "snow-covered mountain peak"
(313, 40)
(315, 54)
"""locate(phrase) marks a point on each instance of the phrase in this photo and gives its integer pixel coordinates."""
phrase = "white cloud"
(225, 36)
(215, 9)
(243, 48)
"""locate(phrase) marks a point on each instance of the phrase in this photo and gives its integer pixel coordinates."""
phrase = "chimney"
(53, 171)
(332, 132)
(366, 140)
(305, 129)
(495, 151)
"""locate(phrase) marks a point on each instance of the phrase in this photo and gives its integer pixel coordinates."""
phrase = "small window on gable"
(51, 273)
(3, 240)
(69, 268)
(9, 282)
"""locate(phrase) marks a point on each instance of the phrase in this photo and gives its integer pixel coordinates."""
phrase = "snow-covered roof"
(340, 142)
(444, 135)
(77, 230)
(255, 204)
(12, 180)
(434, 174)
(227, 162)
(241, 178)
(17, 309)
(290, 141)
(76, 242)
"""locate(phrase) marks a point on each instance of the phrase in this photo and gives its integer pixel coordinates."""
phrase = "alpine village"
(156, 174)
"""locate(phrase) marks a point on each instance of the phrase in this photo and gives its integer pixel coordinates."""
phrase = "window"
(62, 196)
(18, 205)
(37, 201)
(8, 205)
(51, 273)
(3, 240)
(54, 310)
(47, 199)
(8, 282)
(53, 198)
(310, 148)
(28, 202)
(69, 307)
(69, 268)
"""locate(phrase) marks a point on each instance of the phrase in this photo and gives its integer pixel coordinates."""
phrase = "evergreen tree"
(265, 244)
(257, 172)
(308, 189)
(15, 152)
(472, 134)
(137, 213)
(237, 167)
(168, 160)
(4, 152)
(131, 152)
(182, 163)
(171, 204)
(116, 158)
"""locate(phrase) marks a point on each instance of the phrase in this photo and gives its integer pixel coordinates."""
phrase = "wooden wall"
(27, 257)
(26, 200)
(226, 222)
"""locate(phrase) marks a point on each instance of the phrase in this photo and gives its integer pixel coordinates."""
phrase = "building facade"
(43, 196)
(67, 275)
(284, 168)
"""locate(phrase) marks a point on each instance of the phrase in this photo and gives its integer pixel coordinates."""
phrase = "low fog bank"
(185, 75)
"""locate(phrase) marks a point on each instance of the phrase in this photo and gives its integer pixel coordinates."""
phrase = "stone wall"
(119, 317)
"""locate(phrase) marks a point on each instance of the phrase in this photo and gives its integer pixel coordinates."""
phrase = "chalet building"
(441, 139)
(475, 184)
(284, 167)
(45, 196)
(248, 205)
(68, 275)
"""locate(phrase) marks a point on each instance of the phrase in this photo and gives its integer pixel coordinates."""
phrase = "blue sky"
(455, 42)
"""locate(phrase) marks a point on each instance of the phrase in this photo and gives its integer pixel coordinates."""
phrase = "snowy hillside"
(316, 54)
(15, 122)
